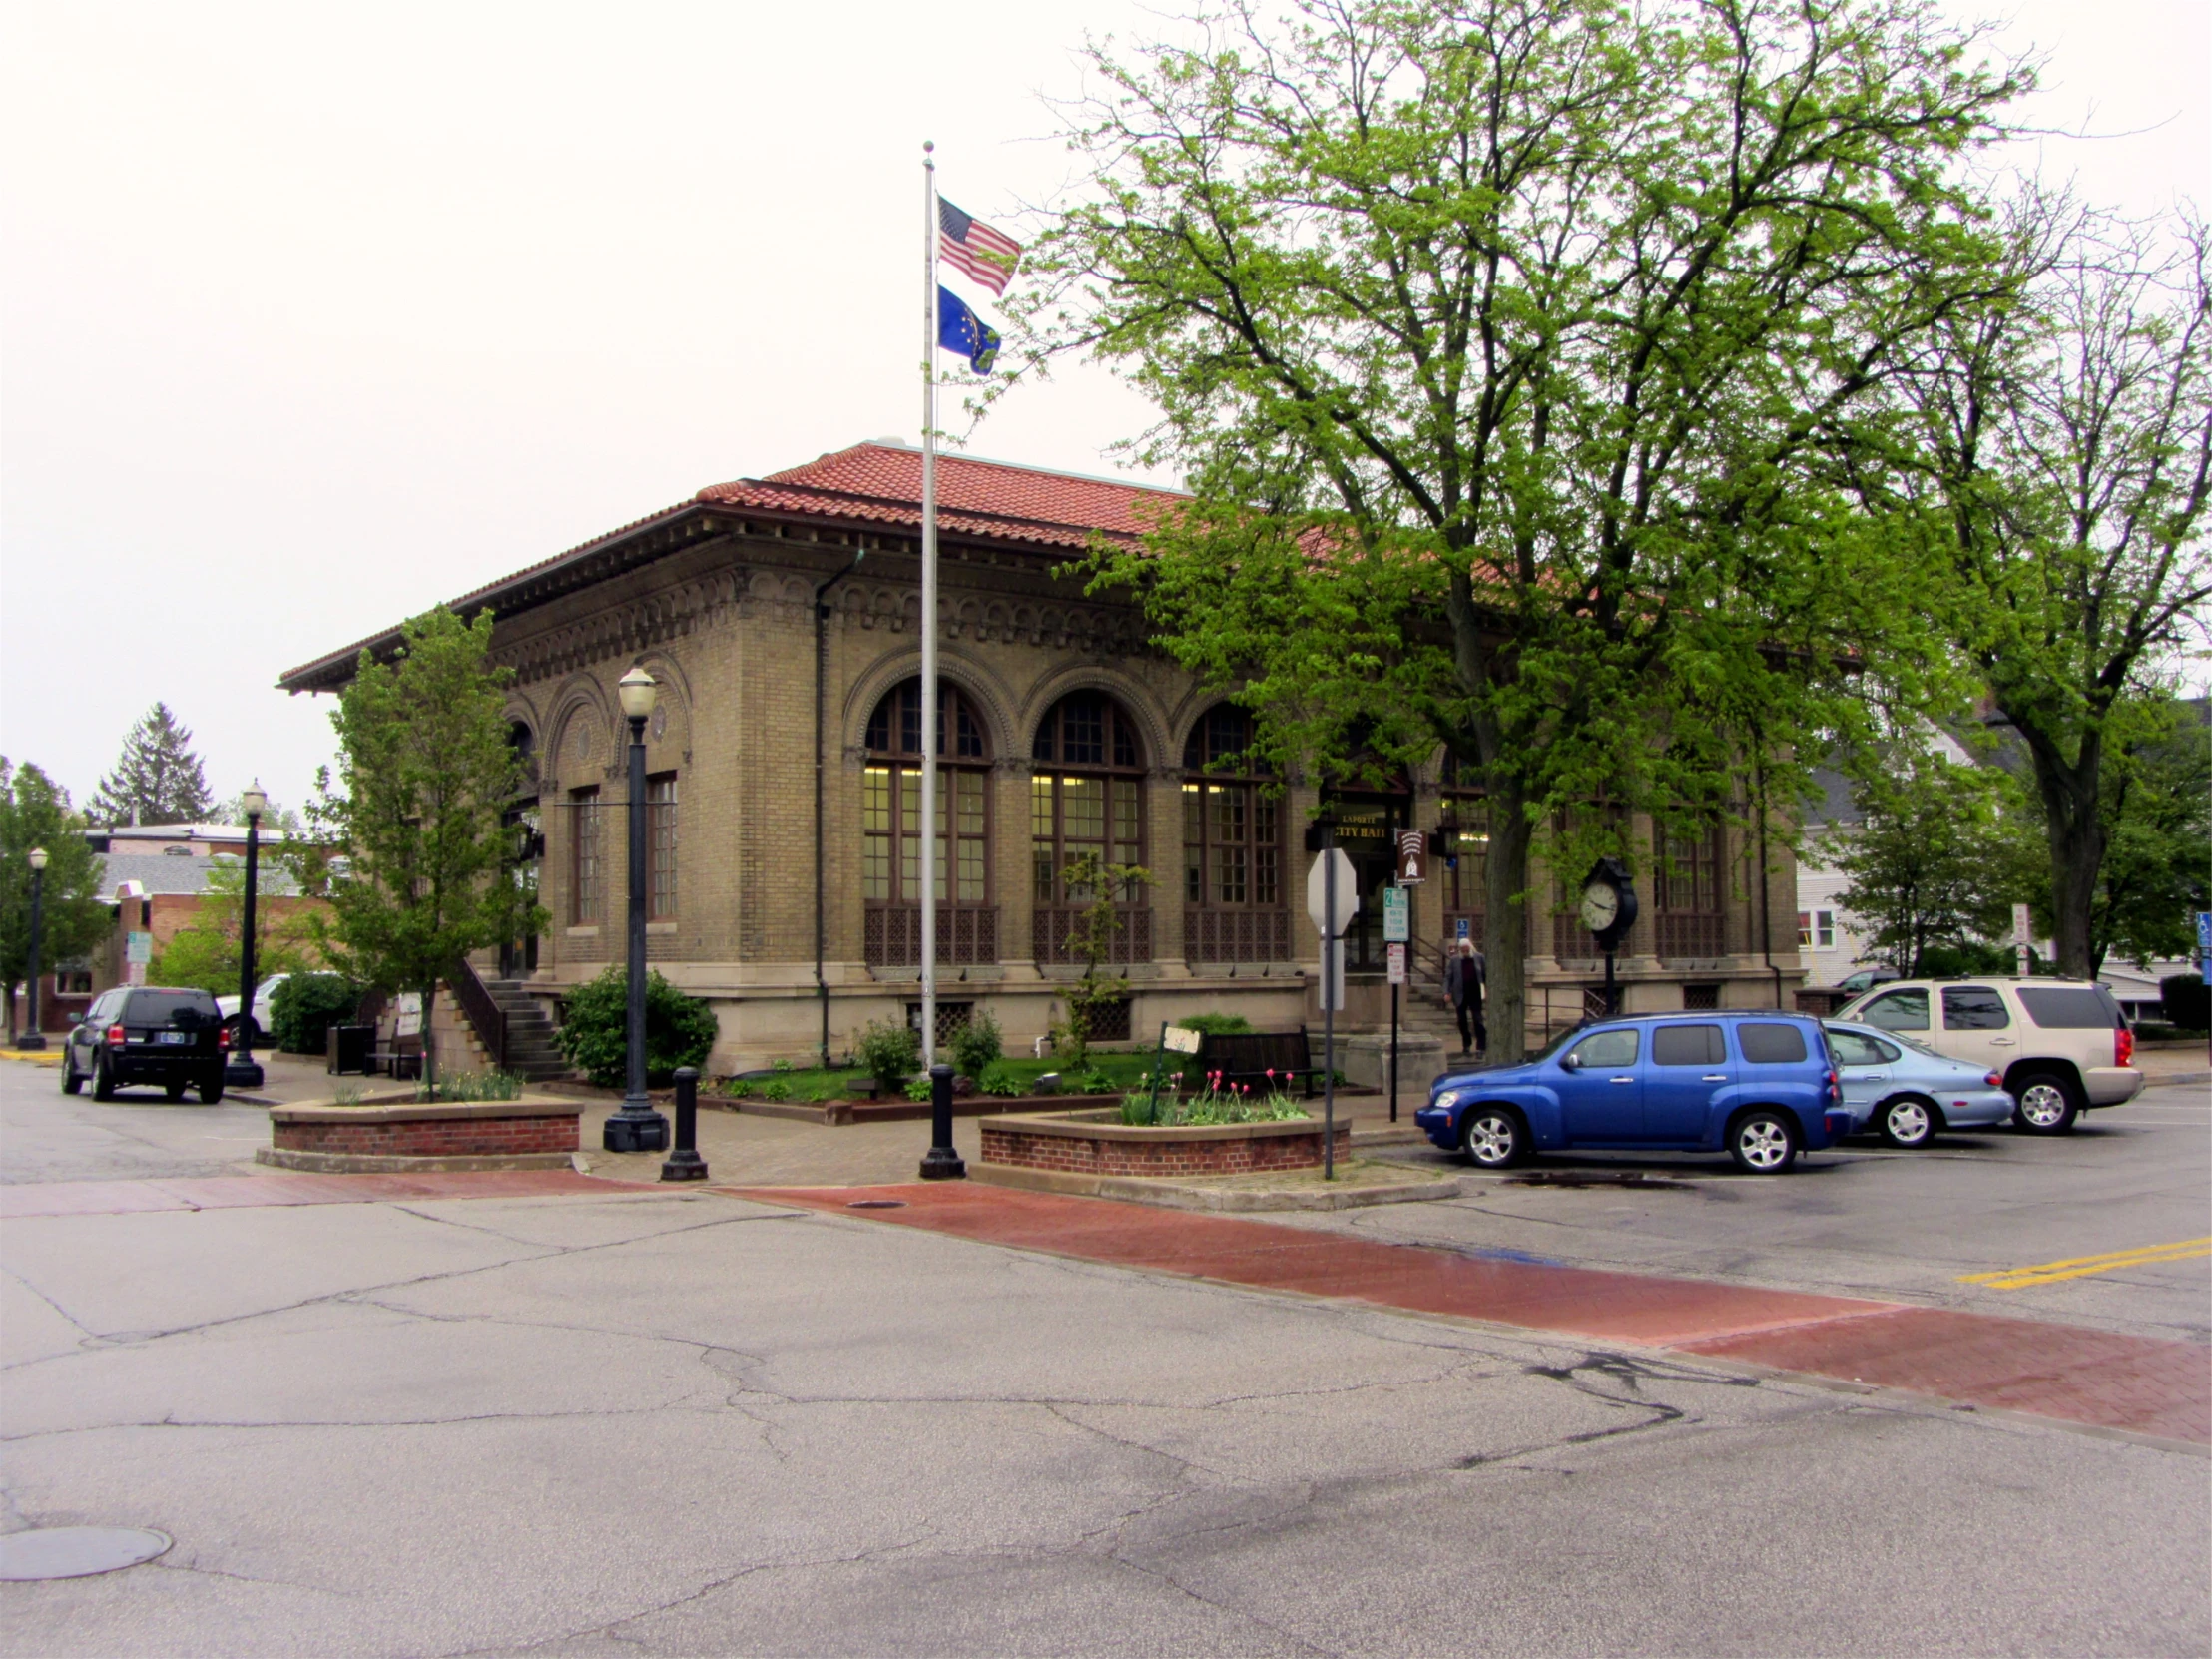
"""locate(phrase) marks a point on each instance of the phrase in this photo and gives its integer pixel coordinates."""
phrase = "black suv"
(171, 1035)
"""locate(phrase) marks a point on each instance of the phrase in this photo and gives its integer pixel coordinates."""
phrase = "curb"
(366, 1163)
(1173, 1194)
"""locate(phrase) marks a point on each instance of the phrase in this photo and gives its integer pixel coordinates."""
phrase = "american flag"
(970, 244)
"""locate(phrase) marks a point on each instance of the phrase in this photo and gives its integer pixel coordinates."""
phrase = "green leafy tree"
(1091, 942)
(425, 776)
(158, 779)
(680, 1030)
(1515, 353)
(205, 952)
(2155, 820)
(2062, 470)
(1935, 866)
(35, 813)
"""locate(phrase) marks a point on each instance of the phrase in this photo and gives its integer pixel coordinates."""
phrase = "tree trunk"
(2076, 834)
(1506, 919)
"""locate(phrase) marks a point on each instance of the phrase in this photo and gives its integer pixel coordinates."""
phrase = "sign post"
(1396, 933)
(1183, 1041)
(1332, 900)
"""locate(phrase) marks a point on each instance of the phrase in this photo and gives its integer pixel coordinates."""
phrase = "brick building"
(779, 616)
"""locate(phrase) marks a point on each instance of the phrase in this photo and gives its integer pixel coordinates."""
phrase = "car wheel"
(175, 1091)
(211, 1090)
(1906, 1122)
(70, 1082)
(102, 1080)
(2045, 1103)
(1493, 1137)
(1763, 1143)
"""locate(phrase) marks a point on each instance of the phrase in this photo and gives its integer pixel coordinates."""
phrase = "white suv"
(2062, 1045)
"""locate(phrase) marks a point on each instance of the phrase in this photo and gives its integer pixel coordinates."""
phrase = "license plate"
(173, 1036)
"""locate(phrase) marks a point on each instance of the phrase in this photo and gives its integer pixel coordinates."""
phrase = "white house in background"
(1830, 949)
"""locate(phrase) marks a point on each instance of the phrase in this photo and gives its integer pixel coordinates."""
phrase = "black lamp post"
(241, 1072)
(636, 1127)
(32, 1038)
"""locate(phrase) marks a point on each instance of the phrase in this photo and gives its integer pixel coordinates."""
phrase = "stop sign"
(1332, 926)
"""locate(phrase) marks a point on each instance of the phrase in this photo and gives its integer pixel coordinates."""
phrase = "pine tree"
(158, 779)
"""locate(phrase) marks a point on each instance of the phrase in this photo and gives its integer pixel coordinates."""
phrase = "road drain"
(76, 1551)
(877, 1203)
(1591, 1178)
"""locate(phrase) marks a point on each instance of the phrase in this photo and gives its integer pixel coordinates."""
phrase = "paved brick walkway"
(2056, 1371)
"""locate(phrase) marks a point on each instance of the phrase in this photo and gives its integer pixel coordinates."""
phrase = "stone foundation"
(492, 1134)
(1088, 1144)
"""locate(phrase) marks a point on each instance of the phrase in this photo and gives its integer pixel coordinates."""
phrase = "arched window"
(890, 832)
(1232, 899)
(1087, 797)
(1465, 816)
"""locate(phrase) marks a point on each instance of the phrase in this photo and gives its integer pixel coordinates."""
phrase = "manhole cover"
(76, 1551)
(877, 1203)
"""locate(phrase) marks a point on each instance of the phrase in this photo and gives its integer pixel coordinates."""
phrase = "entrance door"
(1367, 830)
(518, 958)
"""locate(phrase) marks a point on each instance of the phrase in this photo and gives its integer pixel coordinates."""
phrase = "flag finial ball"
(928, 145)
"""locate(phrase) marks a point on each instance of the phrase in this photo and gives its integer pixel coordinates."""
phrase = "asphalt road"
(1865, 1221)
(681, 1424)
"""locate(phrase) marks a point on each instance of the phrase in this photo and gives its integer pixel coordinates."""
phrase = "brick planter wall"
(500, 1134)
(1071, 1145)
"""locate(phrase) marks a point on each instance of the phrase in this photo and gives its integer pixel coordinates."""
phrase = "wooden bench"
(1247, 1057)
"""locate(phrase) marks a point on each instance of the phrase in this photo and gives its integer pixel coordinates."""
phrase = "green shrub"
(680, 1030)
(2188, 1001)
(1209, 1109)
(1216, 1025)
(303, 1010)
(977, 1044)
(917, 1086)
(776, 1089)
(1000, 1080)
(1094, 1081)
(737, 1088)
(478, 1085)
(889, 1054)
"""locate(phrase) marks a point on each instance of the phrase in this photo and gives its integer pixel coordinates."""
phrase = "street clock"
(1609, 903)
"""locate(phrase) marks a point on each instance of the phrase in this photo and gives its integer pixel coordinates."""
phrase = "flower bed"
(1099, 1143)
(392, 1136)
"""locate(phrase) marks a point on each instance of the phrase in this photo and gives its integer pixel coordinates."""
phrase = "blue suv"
(1760, 1086)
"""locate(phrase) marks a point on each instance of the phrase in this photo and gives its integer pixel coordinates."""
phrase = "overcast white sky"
(311, 316)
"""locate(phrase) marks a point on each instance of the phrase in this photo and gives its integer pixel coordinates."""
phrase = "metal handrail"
(485, 1014)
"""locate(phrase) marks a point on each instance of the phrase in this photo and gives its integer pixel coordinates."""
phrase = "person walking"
(1465, 975)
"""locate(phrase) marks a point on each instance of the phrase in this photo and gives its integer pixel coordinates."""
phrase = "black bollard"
(683, 1161)
(941, 1163)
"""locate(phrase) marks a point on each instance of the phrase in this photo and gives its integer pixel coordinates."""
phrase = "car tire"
(1906, 1122)
(175, 1091)
(2046, 1103)
(70, 1082)
(211, 1090)
(1493, 1137)
(1762, 1142)
(102, 1080)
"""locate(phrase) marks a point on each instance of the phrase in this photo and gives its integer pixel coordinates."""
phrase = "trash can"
(349, 1049)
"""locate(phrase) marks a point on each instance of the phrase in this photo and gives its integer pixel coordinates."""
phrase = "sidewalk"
(2094, 1378)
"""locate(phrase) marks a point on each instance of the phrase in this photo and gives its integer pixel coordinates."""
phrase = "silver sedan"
(1905, 1092)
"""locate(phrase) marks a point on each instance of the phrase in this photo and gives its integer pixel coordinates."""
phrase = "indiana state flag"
(960, 331)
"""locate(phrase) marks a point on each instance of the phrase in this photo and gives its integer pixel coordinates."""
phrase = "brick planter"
(394, 1137)
(1087, 1143)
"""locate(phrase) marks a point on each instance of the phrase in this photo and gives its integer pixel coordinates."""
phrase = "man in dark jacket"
(1464, 974)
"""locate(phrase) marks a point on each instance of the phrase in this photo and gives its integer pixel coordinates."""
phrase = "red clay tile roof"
(871, 482)
(882, 484)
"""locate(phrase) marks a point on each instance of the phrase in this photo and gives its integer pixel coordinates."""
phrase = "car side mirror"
(1568, 1062)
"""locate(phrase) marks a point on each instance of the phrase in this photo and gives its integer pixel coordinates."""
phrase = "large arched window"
(1232, 894)
(1464, 816)
(890, 832)
(1087, 798)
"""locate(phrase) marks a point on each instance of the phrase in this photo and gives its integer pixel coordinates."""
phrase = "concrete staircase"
(532, 1055)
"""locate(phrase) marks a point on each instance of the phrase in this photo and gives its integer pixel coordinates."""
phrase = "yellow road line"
(2081, 1267)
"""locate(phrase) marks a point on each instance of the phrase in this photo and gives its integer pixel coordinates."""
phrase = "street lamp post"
(636, 1127)
(241, 1072)
(32, 1038)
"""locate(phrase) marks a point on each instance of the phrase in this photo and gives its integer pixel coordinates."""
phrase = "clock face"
(1601, 905)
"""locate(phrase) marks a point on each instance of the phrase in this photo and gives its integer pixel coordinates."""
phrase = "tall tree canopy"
(2062, 464)
(35, 811)
(1515, 351)
(425, 776)
(157, 779)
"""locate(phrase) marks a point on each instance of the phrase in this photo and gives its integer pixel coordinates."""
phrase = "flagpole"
(928, 833)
